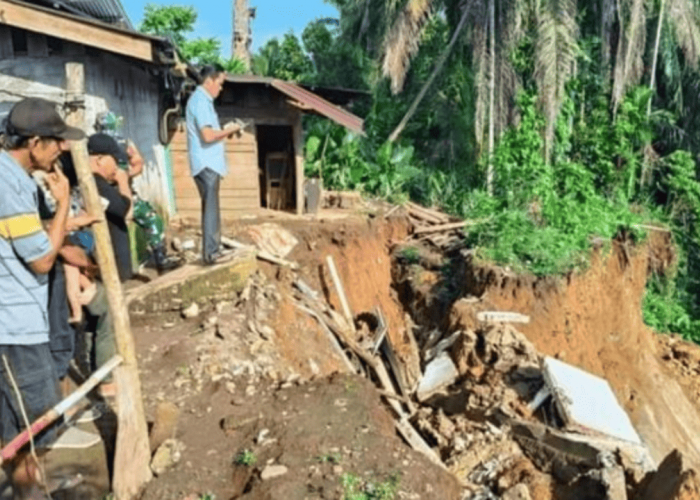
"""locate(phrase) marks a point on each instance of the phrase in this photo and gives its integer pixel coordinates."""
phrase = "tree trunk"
(438, 67)
(492, 92)
(657, 42)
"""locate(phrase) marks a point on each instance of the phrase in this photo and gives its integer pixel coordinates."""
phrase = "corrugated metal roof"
(109, 11)
(34, 4)
(307, 99)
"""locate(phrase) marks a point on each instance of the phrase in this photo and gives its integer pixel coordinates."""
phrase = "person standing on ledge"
(205, 143)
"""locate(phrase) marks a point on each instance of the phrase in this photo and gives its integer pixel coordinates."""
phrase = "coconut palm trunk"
(438, 67)
(492, 93)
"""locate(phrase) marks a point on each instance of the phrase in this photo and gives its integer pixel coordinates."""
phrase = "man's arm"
(118, 203)
(210, 135)
(60, 189)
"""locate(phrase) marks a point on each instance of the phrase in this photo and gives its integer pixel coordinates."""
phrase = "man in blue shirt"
(205, 141)
(34, 137)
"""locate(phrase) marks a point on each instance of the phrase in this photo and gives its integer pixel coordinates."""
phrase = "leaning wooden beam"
(261, 254)
(14, 446)
(412, 437)
(341, 291)
(334, 342)
(132, 454)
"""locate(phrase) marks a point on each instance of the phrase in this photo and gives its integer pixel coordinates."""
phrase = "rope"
(32, 448)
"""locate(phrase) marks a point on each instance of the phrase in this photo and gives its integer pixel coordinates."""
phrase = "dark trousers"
(208, 183)
(61, 334)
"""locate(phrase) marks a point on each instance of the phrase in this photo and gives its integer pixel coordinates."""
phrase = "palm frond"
(683, 16)
(629, 64)
(402, 41)
(555, 53)
(607, 21)
(512, 24)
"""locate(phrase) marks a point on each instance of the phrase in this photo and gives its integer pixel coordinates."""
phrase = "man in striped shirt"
(34, 136)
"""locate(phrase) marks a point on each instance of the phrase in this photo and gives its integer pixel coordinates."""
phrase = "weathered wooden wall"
(240, 189)
(113, 83)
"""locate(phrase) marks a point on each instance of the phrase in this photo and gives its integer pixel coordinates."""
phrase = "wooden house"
(266, 164)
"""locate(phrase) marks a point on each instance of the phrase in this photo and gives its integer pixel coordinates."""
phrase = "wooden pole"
(132, 454)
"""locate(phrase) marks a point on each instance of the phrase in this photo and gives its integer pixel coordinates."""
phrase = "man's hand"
(58, 184)
(233, 128)
(121, 178)
(85, 220)
(135, 159)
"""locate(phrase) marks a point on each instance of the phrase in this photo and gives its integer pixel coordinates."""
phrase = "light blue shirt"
(200, 113)
(24, 294)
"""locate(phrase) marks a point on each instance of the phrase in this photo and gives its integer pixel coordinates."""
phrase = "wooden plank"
(444, 227)
(6, 48)
(186, 183)
(132, 452)
(66, 27)
(226, 203)
(37, 46)
(229, 197)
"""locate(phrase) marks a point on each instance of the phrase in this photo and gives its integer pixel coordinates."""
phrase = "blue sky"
(272, 18)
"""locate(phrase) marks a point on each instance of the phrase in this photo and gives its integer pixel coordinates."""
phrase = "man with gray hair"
(34, 137)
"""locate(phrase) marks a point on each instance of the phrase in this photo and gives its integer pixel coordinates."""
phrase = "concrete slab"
(586, 402)
(439, 373)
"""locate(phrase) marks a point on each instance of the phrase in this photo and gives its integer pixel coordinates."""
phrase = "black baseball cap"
(104, 144)
(38, 117)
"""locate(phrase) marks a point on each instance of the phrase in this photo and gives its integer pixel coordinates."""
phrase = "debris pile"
(438, 228)
(485, 405)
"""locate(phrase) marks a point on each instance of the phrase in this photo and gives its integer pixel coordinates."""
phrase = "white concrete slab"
(587, 402)
(439, 373)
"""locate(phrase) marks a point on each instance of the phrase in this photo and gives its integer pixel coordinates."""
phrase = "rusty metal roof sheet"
(307, 101)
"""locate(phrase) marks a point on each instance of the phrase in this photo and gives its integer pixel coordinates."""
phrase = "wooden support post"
(132, 454)
(298, 133)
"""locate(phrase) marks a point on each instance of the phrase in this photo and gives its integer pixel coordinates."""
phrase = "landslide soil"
(288, 406)
(593, 320)
(286, 403)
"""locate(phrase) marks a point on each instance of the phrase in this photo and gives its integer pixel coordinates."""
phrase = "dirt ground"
(250, 396)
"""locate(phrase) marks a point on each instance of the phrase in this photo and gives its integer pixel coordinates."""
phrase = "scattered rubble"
(482, 402)
(166, 456)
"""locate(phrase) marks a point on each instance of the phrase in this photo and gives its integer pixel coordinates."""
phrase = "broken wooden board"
(189, 283)
(502, 317)
(586, 402)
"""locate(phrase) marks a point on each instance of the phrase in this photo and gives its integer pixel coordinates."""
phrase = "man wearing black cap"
(34, 136)
(113, 186)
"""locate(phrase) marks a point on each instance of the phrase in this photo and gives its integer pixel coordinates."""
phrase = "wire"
(27, 424)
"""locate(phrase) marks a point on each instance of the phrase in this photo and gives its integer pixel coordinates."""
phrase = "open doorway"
(276, 167)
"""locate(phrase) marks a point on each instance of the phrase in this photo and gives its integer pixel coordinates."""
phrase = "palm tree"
(555, 55)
